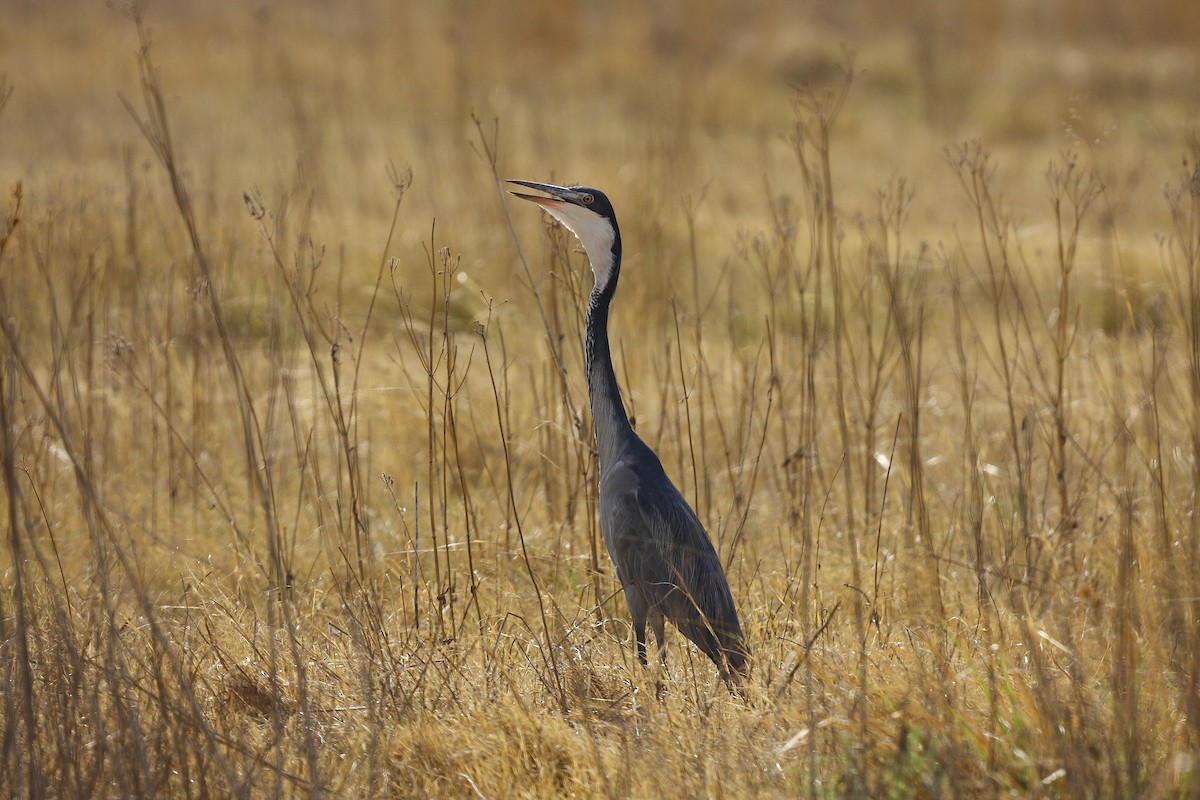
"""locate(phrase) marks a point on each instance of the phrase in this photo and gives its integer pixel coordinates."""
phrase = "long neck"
(609, 421)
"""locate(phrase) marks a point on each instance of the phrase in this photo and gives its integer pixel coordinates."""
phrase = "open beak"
(557, 195)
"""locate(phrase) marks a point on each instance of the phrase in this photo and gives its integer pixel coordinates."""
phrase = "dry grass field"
(299, 482)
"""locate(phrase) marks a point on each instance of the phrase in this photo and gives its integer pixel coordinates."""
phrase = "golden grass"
(299, 482)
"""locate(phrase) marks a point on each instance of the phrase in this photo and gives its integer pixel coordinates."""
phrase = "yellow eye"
(587, 199)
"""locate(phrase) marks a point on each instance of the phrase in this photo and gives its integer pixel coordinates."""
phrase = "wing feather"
(661, 550)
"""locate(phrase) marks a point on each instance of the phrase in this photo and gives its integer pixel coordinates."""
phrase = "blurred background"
(650, 101)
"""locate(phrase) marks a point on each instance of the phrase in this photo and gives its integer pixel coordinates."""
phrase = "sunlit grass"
(299, 481)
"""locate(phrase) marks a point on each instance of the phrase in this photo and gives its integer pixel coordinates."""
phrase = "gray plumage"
(663, 557)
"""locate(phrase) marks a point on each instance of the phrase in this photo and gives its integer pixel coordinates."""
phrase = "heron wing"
(631, 543)
(659, 545)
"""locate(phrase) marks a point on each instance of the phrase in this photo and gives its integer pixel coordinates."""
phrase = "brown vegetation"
(298, 476)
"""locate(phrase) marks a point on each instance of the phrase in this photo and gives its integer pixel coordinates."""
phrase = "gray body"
(665, 560)
(663, 557)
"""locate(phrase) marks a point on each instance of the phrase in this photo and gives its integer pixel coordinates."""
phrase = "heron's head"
(586, 213)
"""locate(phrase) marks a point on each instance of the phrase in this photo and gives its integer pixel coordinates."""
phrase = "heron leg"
(658, 625)
(637, 613)
(639, 633)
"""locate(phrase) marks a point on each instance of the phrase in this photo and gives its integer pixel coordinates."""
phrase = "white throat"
(593, 231)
